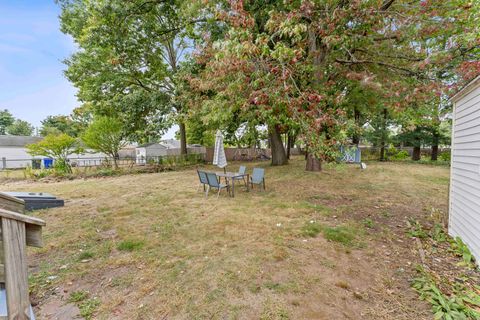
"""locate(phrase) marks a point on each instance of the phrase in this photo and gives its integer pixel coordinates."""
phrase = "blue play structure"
(350, 154)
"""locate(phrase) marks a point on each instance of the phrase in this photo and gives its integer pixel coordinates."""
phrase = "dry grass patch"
(151, 247)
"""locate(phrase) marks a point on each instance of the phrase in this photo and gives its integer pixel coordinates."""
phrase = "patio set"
(213, 180)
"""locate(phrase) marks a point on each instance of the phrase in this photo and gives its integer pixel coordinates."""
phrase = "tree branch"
(384, 64)
(386, 4)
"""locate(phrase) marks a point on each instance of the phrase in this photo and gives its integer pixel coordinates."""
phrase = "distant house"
(168, 147)
(171, 143)
(464, 203)
(127, 152)
(13, 153)
(149, 150)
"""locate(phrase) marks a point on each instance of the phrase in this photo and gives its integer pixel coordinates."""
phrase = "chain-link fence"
(22, 168)
(402, 153)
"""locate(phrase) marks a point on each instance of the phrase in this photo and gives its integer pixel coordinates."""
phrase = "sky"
(32, 48)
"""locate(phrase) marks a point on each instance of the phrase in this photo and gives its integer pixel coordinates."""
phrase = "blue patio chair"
(214, 183)
(258, 177)
(241, 170)
(202, 175)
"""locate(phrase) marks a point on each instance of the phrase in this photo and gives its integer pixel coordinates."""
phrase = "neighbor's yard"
(331, 245)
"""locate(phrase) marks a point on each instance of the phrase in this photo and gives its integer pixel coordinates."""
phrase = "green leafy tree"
(6, 119)
(57, 147)
(425, 124)
(59, 124)
(20, 128)
(199, 133)
(105, 135)
(82, 117)
(129, 58)
(298, 61)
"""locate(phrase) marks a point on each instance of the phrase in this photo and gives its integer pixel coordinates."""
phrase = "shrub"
(460, 249)
(28, 172)
(457, 305)
(417, 230)
(106, 172)
(391, 151)
(401, 155)
(62, 166)
(105, 135)
(57, 147)
(445, 156)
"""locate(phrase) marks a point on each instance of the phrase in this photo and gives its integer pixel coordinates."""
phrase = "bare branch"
(386, 4)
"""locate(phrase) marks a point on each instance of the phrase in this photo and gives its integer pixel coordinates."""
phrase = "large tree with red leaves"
(302, 62)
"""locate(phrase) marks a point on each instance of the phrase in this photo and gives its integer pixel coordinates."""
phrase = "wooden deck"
(17, 232)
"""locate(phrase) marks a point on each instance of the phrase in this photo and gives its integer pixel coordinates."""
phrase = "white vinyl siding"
(15, 157)
(18, 157)
(464, 212)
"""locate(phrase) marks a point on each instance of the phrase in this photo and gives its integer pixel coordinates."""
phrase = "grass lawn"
(330, 245)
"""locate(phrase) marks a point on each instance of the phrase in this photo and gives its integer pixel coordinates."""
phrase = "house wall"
(87, 159)
(141, 155)
(127, 153)
(156, 151)
(464, 203)
(144, 153)
(15, 157)
(18, 157)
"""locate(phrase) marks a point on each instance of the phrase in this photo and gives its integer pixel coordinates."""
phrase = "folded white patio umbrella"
(219, 158)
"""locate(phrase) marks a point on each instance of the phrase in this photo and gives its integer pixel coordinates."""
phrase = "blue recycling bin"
(47, 163)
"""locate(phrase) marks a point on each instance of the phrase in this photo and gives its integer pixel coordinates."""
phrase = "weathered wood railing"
(17, 231)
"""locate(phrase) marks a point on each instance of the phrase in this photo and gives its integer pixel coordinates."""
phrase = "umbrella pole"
(224, 169)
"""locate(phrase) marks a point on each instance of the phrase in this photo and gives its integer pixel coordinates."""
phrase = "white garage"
(464, 206)
(13, 153)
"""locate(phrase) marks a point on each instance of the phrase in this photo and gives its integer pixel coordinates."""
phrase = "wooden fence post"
(17, 232)
(16, 277)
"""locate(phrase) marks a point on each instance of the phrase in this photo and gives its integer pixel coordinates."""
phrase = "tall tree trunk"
(115, 160)
(293, 139)
(416, 153)
(384, 135)
(356, 115)
(279, 156)
(434, 156)
(313, 163)
(289, 145)
(183, 138)
(435, 140)
(382, 152)
(317, 52)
